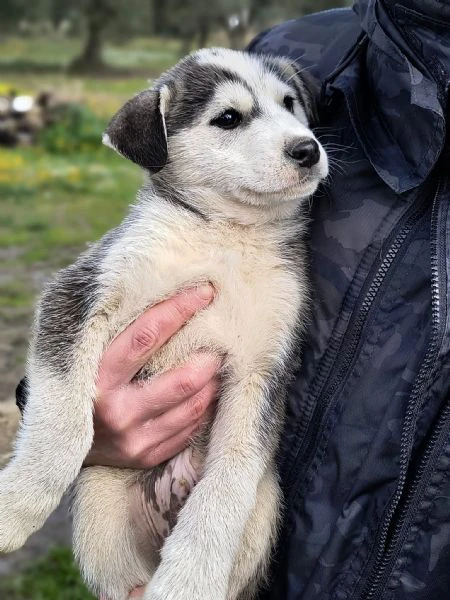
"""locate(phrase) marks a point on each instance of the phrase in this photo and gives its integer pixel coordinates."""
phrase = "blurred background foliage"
(77, 61)
(192, 23)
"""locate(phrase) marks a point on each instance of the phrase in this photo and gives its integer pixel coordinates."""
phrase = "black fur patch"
(137, 131)
(313, 89)
(170, 194)
(65, 305)
(193, 86)
(178, 200)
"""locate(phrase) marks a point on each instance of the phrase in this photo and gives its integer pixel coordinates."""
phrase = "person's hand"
(140, 424)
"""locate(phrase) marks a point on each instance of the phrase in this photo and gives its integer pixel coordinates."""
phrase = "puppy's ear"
(138, 130)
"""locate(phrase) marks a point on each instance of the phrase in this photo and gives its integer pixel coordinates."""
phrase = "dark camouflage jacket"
(365, 460)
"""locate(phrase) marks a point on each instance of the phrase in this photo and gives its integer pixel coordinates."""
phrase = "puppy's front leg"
(55, 436)
(198, 557)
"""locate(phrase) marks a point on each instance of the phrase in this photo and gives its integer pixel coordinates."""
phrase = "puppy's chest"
(259, 295)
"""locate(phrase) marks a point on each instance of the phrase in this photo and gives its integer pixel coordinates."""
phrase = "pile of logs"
(22, 117)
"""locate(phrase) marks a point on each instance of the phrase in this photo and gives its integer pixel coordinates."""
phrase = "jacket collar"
(395, 81)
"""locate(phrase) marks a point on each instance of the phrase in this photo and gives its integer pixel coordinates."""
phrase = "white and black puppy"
(226, 139)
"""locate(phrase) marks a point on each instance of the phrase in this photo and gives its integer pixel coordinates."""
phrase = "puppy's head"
(227, 122)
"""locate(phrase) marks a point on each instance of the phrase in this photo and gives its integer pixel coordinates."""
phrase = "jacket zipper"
(377, 590)
(389, 535)
(316, 407)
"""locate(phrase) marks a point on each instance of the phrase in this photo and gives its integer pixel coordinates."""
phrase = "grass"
(54, 53)
(68, 190)
(52, 578)
(53, 205)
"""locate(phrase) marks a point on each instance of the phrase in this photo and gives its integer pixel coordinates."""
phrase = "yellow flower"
(10, 161)
(74, 174)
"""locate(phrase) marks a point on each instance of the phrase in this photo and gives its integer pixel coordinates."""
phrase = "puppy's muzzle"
(305, 152)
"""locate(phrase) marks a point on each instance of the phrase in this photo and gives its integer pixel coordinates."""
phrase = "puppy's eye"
(288, 102)
(228, 120)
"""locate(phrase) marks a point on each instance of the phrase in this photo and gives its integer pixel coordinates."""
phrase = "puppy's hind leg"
(106, 544)
(250, 568)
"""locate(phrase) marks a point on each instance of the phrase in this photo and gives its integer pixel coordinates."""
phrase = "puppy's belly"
(159, 494)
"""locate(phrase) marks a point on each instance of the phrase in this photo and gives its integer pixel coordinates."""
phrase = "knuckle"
(119, 426)
(196, 408)
(130, 451)
(187, 385)
(116, 420)
(145, 339)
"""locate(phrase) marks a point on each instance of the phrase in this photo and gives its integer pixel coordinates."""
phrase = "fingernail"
(205, 291)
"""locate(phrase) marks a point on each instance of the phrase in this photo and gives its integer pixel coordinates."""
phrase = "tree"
(194, 22)
(14, 11)
(98, 15)
(159, 21)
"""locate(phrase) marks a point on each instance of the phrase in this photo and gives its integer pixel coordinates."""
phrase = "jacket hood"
(396, 82)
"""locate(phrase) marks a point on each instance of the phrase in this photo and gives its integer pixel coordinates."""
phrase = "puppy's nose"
(305, 152)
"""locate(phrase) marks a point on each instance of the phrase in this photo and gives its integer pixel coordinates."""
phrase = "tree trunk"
(98, 13)
(159, 20)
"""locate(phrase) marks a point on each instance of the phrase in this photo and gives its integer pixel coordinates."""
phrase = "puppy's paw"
(17, 517)
(13, 534)
(181, 584)
(169, 588)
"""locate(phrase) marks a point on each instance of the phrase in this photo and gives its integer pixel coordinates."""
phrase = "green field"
(55, 198)
(53, 578)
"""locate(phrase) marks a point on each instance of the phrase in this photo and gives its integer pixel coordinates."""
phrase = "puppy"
(225, 139)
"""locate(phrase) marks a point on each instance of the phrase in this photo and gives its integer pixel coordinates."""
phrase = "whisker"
(335, 145)
(290, 64)
(299, 72)
(328, 128)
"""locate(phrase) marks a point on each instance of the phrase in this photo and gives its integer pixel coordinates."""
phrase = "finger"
(189, 412)
(139, 402)
(167, 449)
(132, 348)
(150, 399)
(142, 453)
